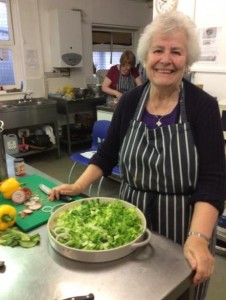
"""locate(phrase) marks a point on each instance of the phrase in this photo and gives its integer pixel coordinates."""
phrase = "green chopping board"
(39, 217)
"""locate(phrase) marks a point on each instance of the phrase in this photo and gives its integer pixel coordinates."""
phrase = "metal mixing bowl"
(98, 255)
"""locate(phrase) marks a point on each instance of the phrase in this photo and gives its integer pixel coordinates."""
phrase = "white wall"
(36, 55)
(212, 75)
(209, 14)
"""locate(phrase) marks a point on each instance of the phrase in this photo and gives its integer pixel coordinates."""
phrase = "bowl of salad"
(97, 229)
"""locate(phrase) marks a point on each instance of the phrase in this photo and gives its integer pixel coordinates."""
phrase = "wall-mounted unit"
(65, 38)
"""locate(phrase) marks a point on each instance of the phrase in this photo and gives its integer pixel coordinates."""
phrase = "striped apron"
(159, 172)
(125, 83)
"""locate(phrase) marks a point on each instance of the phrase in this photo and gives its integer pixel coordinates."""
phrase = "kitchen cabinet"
(68, 107)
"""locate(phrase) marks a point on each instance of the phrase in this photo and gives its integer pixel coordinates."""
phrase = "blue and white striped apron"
(125, 83)
(159, 172)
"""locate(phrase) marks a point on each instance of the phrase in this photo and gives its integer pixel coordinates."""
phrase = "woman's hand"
(65, 189)
(118, 94)
(91, 174)
(199, 257)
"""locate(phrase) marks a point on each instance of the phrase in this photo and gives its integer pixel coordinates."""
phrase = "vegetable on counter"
(14, 237)
(97, 226)
(8, 187)
(7, 216)
(18, 196)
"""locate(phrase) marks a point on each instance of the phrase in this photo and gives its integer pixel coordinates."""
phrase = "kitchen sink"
(12, 105)
(29, 112)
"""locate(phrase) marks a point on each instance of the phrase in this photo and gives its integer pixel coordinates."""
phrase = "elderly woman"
(168, 136)
(122, 78)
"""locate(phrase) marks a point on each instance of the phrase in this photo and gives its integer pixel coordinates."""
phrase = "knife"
(87, 297)
(47, 191)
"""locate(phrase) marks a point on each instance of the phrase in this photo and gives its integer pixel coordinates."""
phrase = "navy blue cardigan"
(204, 117)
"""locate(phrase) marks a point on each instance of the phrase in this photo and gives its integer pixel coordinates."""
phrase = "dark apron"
(159, 172)
(125, 83)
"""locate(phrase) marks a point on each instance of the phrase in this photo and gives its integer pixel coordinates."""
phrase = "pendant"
(158, 123)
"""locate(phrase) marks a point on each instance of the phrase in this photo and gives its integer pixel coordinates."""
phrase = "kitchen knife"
(87, 297)
(47, 191)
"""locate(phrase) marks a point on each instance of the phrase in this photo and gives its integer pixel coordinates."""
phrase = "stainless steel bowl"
(98, 255)
(96, 89)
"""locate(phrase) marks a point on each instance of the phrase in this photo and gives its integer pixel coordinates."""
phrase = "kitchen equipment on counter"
(81, 93)
(40, 216)
(96, 89)
(47, 191)
(11, 143)
(98, 255)
(87, 297)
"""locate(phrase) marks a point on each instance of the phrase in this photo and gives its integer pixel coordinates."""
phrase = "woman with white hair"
(168, 136)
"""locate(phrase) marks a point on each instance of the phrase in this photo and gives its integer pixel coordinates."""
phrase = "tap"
(27, 97)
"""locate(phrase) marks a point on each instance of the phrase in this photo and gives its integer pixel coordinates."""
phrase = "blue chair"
(99, 133)
(115, 175)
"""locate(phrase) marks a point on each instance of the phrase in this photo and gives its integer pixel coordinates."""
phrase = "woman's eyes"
(176, 52)
(157, 51)
(160, 51)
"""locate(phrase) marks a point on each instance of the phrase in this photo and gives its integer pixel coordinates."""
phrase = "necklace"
(158, 122)
(159, 118)
(170, 108)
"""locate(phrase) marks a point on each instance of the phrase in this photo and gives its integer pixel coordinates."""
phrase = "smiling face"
(166, 60)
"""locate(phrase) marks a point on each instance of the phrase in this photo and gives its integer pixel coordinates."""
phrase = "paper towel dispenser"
(65, 38)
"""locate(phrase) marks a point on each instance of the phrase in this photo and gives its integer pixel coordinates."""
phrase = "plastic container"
(19, 166)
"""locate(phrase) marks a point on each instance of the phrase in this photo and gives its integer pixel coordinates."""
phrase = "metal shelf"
(31, 152)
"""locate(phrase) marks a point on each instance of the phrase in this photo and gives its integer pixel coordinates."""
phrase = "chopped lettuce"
(95, 225)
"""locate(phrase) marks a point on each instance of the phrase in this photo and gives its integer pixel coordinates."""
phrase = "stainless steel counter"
(155, 272)
(31, 114)
(67, 107)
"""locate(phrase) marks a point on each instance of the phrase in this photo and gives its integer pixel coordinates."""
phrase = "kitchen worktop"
(154, 272)
(105, 108)
(105, 112)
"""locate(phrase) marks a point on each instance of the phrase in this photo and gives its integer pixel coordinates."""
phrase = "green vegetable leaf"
(96, 225)
(14, 237)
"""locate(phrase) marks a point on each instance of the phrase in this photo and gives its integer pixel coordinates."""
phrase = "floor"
(59, 169)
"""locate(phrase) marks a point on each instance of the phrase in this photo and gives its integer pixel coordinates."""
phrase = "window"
(105, 59)
(6, 45)
(109, 44)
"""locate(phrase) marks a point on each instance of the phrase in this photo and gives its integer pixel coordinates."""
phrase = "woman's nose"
(165, 57)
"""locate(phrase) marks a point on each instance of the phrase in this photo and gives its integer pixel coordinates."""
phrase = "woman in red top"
(123, 77)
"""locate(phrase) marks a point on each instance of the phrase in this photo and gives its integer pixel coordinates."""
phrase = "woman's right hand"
(118, 94)
(65, 189)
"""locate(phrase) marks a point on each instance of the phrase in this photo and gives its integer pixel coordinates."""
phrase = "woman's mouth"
(164, 71)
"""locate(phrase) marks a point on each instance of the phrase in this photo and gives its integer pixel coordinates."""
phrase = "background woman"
(123, 77)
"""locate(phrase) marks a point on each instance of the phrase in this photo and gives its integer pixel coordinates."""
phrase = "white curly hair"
(166, 23)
